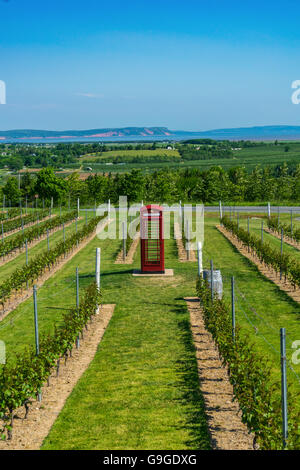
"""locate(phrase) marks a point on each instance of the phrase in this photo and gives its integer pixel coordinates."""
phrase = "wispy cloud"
(90, 95)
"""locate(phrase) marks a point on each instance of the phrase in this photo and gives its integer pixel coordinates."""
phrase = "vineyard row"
(289, 231)
(271, 257)
(19, 222)
(31, 271)
(22, 380)
(250, 374)
(9, 214)
(17, 242)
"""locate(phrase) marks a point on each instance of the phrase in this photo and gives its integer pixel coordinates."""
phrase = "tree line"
(209, 186)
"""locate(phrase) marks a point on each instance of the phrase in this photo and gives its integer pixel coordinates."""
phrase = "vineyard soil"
(29, 433)
(224, 419)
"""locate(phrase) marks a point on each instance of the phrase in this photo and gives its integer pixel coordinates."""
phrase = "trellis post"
(281, 252)
(188, 240)
(200, 268)
(284, 406)
(233, 309)
(77, 302)
(36, 330)
(124, 241)
(212, 279)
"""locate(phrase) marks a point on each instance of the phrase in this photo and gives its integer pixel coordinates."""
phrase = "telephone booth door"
(152, 241)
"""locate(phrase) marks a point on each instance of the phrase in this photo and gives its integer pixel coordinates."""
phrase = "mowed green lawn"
(141, 391)
(144, 380)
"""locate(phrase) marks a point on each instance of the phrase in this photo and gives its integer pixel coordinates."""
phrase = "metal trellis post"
(212, 279)
(233, 308)
(281, 253)
(284, 387)
(124, 241)
(200, 269)
(77, 302)
(36, 329)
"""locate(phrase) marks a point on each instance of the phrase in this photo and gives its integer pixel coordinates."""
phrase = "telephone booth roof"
(152, 206)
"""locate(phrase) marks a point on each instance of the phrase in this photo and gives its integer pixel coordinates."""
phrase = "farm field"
(112, 154)
(141, 391)
(264, 155)
(147, 160)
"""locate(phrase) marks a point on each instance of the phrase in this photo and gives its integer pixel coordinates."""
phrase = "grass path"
(142, 390)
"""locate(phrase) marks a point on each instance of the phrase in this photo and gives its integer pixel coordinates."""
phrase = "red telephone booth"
(152, 239)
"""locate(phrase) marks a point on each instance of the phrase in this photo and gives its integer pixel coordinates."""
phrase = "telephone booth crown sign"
(152, 239)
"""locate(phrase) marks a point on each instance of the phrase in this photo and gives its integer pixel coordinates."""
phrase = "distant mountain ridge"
(150, 133)
(106, 132)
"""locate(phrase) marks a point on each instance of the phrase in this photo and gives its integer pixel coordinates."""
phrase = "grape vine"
(28, 273)
(271, 257)
(13, 224)
(250, 374)
(21, 380)
(17, 242)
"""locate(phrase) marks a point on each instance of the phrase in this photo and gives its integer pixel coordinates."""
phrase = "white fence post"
(98, 260)
(200, 267)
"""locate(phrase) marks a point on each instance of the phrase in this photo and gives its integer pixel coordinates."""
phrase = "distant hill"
(254, 133)
(151, 133)
(91, 133)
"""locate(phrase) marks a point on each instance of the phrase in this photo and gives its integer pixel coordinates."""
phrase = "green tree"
(48, 185)
(253, 188)
(27, 184)
(76, 188)
(12, 191)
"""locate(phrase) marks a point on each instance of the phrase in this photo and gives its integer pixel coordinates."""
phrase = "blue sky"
(192, 65)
